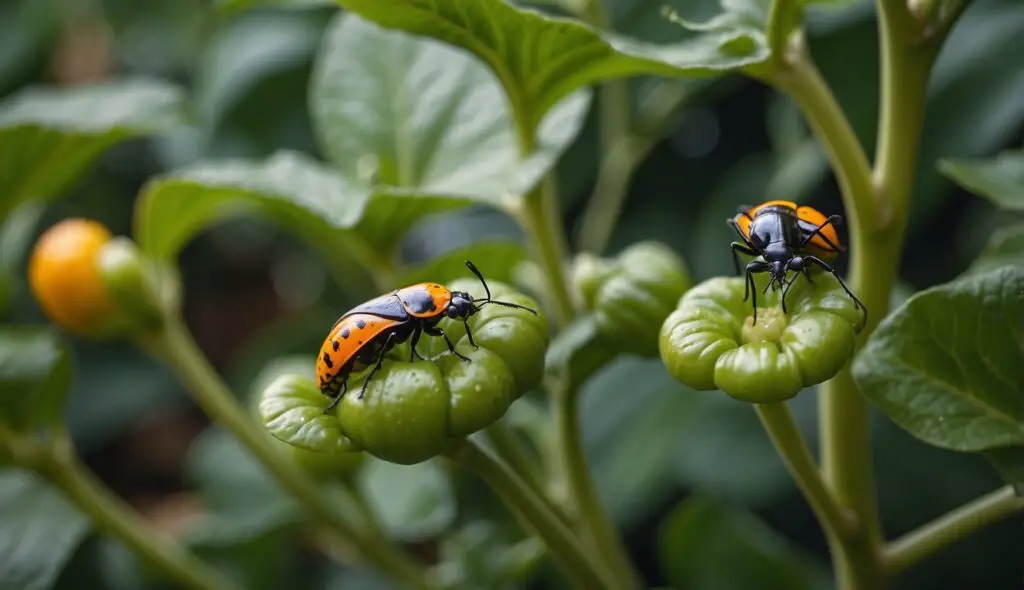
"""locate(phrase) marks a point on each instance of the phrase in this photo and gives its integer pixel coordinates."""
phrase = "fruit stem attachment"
(914, 546)
(175, 346)
(523, 502)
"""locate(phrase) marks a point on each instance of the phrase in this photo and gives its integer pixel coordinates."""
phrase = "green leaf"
(1005, 247)
(578, 352)
(413, 502)
(231, 6)
(289, 188)
(999, 179)
(496, 260)
(1009, 462)
(482, 555)
(39, 531)
(706, 543)
(946, 366)
(399, 110)
(540, 59)
(35, 373)
(49, 137)
(16, 234)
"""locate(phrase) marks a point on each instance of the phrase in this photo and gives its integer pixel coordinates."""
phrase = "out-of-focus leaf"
(798, 172)
(1009, 462)
(39, 531)
(241, 5)
(413, 502)
(35, 373)
(16, 233)
(292, 189)
(705, 543)
(399, 110)
(242, 499)
(50, 136)
(478, 555)
(1005, 247)
(496, 260)
(577, 352)
(946, 366)
(540, 60)
(999, 179)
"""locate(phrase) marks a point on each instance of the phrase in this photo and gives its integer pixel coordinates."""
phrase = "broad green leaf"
(398, 110)
(946, 366)
(999, 179)
(706, 543)
(540, 59)
(289, 188)
(39, 531)
(35, 373)
(496, 260)
(413, 502)
(1009, 462)
(49, 137)
(1005, 247)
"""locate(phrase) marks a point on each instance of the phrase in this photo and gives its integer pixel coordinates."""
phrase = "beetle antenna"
(487, 290)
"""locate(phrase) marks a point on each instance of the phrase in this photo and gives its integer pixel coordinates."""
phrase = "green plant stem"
(524, 502)
(946, 530)
(540, 216)
(175, 347)
(59, 465)
(510, 450)
(592, 518)
(789, 442)
(845, 436)
(782, 20)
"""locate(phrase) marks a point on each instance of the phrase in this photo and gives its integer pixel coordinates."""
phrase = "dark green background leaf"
(706, 543)
(947, 367)
(1005, 247)
(999, 179)
(496, 260)
(35, 373)
(413, 502)
(50, 136)
(39, 531)
(541, 59)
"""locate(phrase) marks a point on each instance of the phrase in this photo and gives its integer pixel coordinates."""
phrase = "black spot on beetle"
(328, 361)
(360, 324)
(335, 345)
(344, 333)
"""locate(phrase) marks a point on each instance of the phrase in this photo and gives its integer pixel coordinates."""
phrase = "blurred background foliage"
(691, 478)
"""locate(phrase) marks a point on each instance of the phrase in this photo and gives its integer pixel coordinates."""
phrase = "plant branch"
(904, 552)
(510, 450)
(59, 465)
(789, 442)
(175, 347)
(540, 216)
(593, 519)
(522, 501)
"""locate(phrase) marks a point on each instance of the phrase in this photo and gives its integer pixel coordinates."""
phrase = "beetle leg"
(437, 331)
(751, 286)
(337, 398)
(376, 367)
(741, 248)
(469, 334)
(413, 355)
(825, 266)
(833, 220)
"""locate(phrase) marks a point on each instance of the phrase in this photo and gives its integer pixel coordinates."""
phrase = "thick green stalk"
(592, 517)
(59, 465)
(946, 530)
(540, 216)
(789, 442)
(175, 347)
(533, 510)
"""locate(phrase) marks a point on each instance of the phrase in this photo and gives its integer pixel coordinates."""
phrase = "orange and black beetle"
(785, 237)
(362, 336)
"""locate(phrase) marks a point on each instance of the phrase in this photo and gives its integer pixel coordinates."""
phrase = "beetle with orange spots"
(363, 335)
(784, 237)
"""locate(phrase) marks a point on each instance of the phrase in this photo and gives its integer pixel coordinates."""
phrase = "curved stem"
(592, 517)
(523, 501)
(62, 468)
(510, 449)
(540, 217)
(789, 442)
(175, 347)
(946, 530)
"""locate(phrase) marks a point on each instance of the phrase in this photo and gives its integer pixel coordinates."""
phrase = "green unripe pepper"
(412, 411)
(711, 342)
(630, 295)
